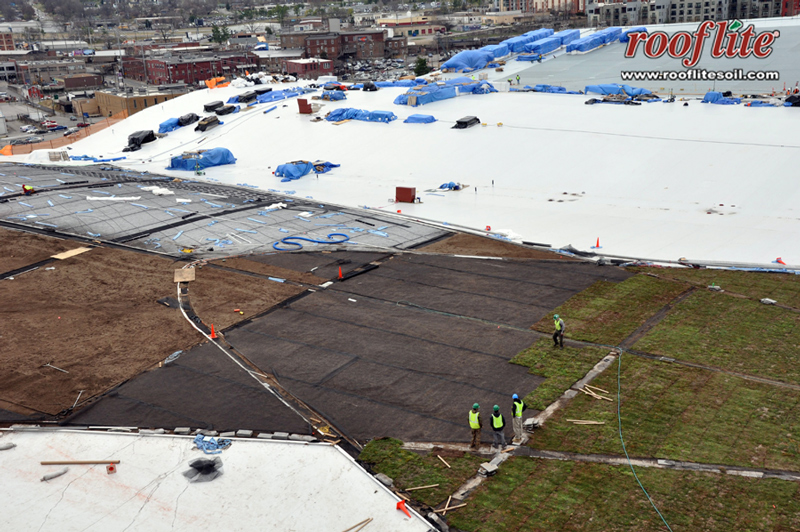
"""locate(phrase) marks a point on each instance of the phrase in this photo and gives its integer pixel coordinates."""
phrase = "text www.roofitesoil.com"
(701, 74)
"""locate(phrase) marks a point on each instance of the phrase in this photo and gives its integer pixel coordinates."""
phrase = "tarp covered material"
(333, 96)
(205, 159)
(347, 113)
(586, 44)
(188, 118)
(497, 50)
(135, 140)
(613, 88)
(168, 125)
(717, 98)
(549, 88)
(297, 169)
(516, 44)
(567, 36)
(610, 34)
(444, 90)
(397, 83)
(760, 103)
(624, 35)
(468, 60)
(213, 105)
(274, 96)
(207, 123)
(543, 46)
(419, 119)
(792, 101)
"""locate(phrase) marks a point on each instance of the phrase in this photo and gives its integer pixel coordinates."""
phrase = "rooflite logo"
(730, 40)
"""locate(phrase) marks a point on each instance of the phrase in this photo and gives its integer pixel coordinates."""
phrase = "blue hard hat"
(515, 396)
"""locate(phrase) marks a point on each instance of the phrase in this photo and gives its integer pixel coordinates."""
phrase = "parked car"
(56, 128)
(83, 124)
(70, 131)
(73, 118)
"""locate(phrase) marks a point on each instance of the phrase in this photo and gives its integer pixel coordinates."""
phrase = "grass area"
(682, 413)
(732, 333)
(607, 312)
(561, 367)
(541, 495)
(783, 288)
(409, 469)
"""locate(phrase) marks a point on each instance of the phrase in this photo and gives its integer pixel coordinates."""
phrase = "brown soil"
(96, 316)
(466, 244)
(238, 263)
(21, 249)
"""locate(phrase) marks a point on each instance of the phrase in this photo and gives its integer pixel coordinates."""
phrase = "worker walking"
(475, 424)
(498, 424)
(517, 408)
(558, 335)
(517, 79)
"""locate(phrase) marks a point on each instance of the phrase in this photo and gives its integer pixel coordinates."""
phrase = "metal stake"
(52, 366)
(78, 399)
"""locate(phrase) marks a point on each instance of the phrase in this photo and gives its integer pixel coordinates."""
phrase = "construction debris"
(443, 461)
(51, 476)
(585, 422)
(423, 487)
(447, 509)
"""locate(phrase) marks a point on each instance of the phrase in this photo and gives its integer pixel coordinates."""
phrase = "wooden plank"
(70, 253)
(355, 526)
(450, 498)
(596, 388)
(184, 275)
(443, 461)
(423, 487)
(450, 508)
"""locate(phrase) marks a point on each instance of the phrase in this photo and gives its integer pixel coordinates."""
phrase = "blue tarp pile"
(585, 44)
(169, 125)
(543, 46)
(297, 169)
(609, 34)
(719, 99)
(624, 35)
(333, 96)
(419, 119)
(206, 159)
(567, 36)
(274, 96)
(450, 186)
(497, 50)
(435, 92)
(516, 44)
(468, 60)
(401, 83)
(613, 88)
(759, 103)
(347, 113)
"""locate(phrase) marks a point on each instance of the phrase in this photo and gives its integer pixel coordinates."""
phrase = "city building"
(310, 68)
(42, 72)
(275, 60)
(112, 102)
(363, 44)
(80, 81)
(7, 42)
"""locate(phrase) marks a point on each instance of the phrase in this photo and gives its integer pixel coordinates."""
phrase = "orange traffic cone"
(402, 506)
(213, 335)
(780, 261)
(340, 272)
(597, 246)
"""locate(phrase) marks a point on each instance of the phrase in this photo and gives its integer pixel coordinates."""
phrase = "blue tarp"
(435, 92)
(624, 36)
(543, 46)
(397, 83)
(613, 88)
(274, 96)
(719, 99)
(549, 88)
(759, 103)
(610, 34)
(468, 60)
(346, 113)
(497, 50)
(297, 169)
(419, 119)
(169, 125)
(212, 157)
(233, 99)
(333, 96)
(516, 44)
(567, 36)
(585, 44)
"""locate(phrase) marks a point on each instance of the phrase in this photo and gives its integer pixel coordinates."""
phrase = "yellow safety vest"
(558, 324)
(497, 421)
(517, 409)
(474, 422)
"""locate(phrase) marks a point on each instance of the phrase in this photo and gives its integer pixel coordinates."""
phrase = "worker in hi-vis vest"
(558, 335)
(498, 424)
(27, 189)
(517, 408)
(475, 424)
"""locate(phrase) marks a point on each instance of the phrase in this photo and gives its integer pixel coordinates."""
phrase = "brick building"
(187, 70)
(309, 68)
(7, 41)
(365, 44)
(110, 102)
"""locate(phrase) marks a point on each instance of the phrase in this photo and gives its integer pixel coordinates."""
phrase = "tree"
(421, 66)
(279, 12)
(252, 27)
(165, 31)
(220, 35)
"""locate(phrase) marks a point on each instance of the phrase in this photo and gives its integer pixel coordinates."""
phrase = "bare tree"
(252, 27)
(165, 31)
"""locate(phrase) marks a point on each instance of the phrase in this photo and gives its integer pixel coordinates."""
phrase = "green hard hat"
(556, 317)
(476, 406)
(496, 408)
